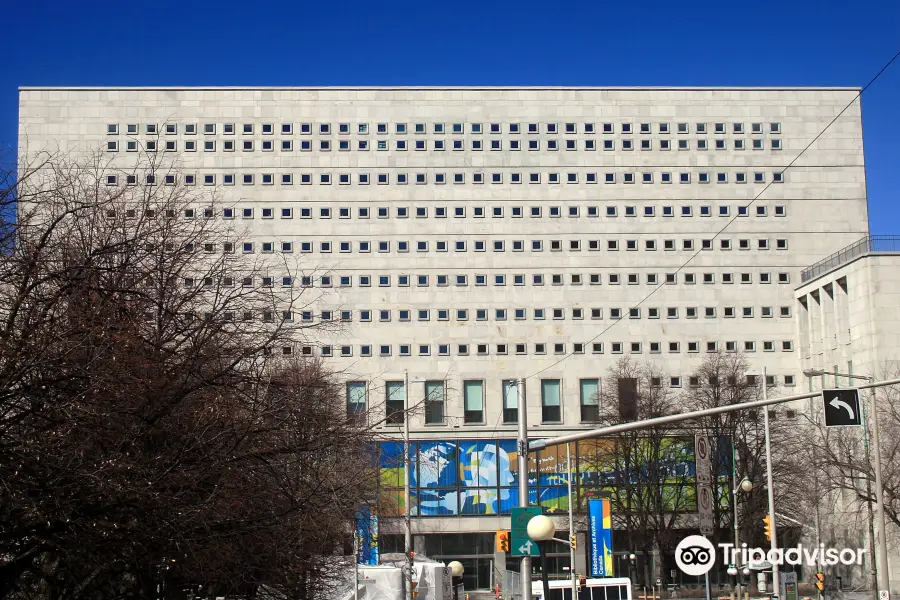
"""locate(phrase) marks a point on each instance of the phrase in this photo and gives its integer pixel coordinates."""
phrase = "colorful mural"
(480, 477)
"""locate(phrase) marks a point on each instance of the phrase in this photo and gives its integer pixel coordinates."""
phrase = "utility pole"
(572, 533)
(356, 559)
(523, 478)
(884, 583)
(737, 531)
(407, 526)
(773, 541)
(882, 571)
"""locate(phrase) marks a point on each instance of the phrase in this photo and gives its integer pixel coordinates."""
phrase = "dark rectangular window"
(551, 409)
(395, 402)
(590, 400)
(356, 398)
(473, 401)
(627, 398)
(434, 402)
(510, 401)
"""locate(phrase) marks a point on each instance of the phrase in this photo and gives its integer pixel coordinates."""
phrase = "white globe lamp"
(541, 528)
(456, 568)
(746, 485)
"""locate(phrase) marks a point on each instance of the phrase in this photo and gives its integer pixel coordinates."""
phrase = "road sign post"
(702, 463)
(705, 509)
(842, 408)
(520, 543)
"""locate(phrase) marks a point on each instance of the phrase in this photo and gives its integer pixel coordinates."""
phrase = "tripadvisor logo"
(695, 555)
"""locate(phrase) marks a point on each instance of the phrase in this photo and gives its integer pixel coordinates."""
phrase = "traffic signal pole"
(572, 533)
(773, 528)
(523, 478)
(718, 410)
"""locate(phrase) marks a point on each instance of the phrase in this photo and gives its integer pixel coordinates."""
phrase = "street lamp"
(632, 569)
(541, 529)
(456, 573)
(745, 486)
(881, 569)
(407, 525)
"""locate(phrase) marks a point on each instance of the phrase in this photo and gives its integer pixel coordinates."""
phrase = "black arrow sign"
(842, 407)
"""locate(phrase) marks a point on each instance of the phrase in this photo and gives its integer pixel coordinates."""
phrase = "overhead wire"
(733, 219)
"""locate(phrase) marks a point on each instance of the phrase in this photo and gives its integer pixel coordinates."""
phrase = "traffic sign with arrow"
(842, 407)
(520, 543)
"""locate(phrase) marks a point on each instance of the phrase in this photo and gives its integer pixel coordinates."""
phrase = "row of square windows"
(403, 246)
(405, 315)
(475, 393)
(480, 279)
(609, 177)
(549, 128)
(533, 145)
(479, 212)
(460, 212)
(541, 348)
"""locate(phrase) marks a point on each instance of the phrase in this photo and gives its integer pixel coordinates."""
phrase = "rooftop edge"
(458, 88)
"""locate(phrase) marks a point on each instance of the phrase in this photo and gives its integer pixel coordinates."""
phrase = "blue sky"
(808, 42)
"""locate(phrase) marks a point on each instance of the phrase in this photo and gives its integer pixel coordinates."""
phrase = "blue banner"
(600, 536)
(367, 534)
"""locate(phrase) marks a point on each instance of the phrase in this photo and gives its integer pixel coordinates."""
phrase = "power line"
(733, 219)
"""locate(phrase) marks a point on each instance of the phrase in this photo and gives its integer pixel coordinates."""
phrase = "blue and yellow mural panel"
(480, 477)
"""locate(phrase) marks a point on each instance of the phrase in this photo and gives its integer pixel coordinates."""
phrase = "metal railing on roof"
(867, 245)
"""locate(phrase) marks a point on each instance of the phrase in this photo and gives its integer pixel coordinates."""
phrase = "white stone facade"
(847, 316)
(609, 192)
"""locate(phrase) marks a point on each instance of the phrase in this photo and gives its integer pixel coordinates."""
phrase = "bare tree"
(840, 469)
(737, 446)
(644, 469)
(157, 427)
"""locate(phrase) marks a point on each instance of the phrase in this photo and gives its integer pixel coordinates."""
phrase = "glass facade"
(480, 477)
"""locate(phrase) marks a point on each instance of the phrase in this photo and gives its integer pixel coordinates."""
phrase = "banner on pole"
(600, 534)
(367, 533)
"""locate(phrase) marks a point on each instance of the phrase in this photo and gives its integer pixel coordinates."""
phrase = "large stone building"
(471, 236)
(848, 332)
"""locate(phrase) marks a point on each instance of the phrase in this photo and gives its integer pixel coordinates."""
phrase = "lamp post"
(773, 530)
(522, 460)
(880, 567)
(407, 523)
(541, 529)
(571, 523)
(456, 573)
(632, 569)
(745, 486)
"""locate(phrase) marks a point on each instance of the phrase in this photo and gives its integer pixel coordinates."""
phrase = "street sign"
(842, 407)
(702, 464)
(520, 543)
(789, 589)
(705, 509)
(447, 584)
(884, 595)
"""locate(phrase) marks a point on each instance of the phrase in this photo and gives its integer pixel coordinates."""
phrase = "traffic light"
(582, 582)
(820, 581)
(768, 528)
(502, 541)
(574, 540)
